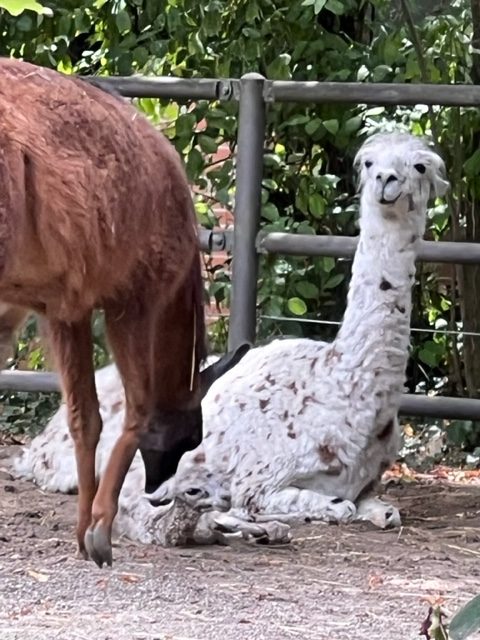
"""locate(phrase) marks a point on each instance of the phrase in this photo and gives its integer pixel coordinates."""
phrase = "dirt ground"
(331, 582)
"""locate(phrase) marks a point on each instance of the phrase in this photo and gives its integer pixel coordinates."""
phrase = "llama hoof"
(379, 513)
(82, 553)
(262, 533)
(99, 546)
(339, 511)
(273, 533)
(392, 518)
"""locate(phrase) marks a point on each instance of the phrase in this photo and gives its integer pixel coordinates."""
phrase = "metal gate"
(254, 93)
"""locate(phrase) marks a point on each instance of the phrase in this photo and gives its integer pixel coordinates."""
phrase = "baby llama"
(297, 430)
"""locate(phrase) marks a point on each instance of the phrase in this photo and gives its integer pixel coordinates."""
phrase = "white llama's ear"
(439, 183)
(357, 165)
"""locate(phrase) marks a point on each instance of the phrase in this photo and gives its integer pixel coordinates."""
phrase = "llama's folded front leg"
(380, 513)
(293, 505)
(214, 526)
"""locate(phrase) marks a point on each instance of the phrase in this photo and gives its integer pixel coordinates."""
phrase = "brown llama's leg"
(152, 343)
(10, 319)
(71, 345)
(129, 335)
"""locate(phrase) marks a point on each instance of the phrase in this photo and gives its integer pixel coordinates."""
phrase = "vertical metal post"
(248, 192)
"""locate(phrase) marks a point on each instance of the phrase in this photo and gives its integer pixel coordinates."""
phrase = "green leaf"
(298, 119)
(15, 7)
(334, 281)
(458, 431)
(308, 3)
(64, 24)
(270, 212)
(335, 7)
(331, 126)
(318, 5)
(195, 45)
(124, 64)
(390, 51)
(428, 357)
(313, 126)
(328, 264)
(279, 69)
(472, 165)
(24, 23)
(352, 125)
(297, 306)
(466, 621)
(123, 22)
(207, 144)
(307, 289)
(251, 11)
(316, 204)
(185, 124)
(195, 164)
(141, 55)
(210, 22)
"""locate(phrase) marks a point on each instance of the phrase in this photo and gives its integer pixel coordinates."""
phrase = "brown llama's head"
(172, 432)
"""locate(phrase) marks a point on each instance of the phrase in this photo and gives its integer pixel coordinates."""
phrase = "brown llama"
(96, 212)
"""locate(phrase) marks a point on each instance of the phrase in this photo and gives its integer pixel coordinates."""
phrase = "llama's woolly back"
(96, 178)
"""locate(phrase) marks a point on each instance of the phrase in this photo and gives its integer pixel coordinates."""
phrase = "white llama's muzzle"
(388, 187)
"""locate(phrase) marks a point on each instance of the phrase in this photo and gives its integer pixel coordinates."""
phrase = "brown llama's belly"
(71, 295)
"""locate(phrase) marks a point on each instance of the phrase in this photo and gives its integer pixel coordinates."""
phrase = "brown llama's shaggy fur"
(95, 212)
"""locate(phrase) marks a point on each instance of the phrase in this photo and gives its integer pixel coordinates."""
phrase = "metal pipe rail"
(345, 247)
(336, 246)
(169, 88)
(439, 407)
(30, 381)
(455, 95)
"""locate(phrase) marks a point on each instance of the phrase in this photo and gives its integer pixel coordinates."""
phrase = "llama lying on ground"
(297, 429)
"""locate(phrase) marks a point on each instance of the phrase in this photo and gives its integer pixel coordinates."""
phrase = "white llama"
(297, 430)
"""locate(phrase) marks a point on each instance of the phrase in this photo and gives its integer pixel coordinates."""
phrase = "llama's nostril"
(160, 503)
(390, 178)
(194, 491)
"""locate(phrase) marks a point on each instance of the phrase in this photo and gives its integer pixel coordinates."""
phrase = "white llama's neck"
(376, 328)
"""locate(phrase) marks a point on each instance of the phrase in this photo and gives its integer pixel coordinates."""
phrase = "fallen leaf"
(374, 581)
(102, 583)
(36, 575)
(433, 600)
(128, 577)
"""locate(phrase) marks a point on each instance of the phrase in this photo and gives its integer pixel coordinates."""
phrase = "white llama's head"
(399, 173)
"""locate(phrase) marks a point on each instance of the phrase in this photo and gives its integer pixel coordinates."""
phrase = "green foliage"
(462, 625)
(466, 621)
(16, 7)
(26, 413)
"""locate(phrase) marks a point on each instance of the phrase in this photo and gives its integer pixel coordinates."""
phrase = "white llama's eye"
(420, 168)
(368, 163)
